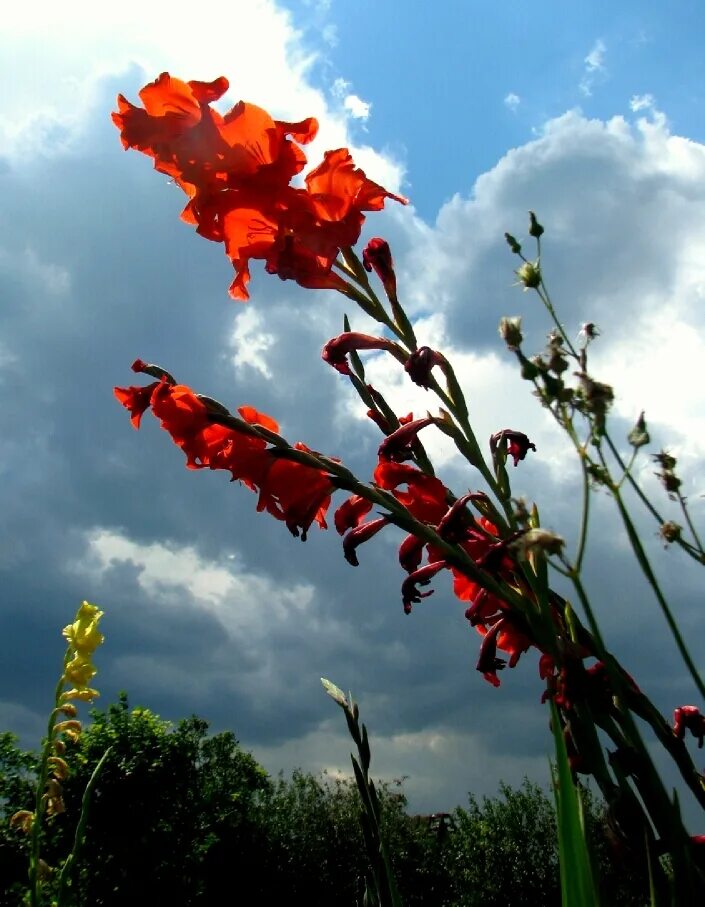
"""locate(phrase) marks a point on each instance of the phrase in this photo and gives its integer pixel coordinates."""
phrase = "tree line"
(180, 816)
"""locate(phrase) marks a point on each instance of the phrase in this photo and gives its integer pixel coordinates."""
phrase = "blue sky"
(590, 115)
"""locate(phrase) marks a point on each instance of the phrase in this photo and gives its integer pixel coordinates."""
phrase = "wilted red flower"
(689, 718)
(421, 577)
(377, 257)
(358, 536)
(351, 513)
(518, 445)
(335, 352)
(400, 445)
(419, 364)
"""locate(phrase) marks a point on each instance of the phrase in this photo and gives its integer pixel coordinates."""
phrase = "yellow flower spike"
(59, 747)
(83, 634)
(58, 766)
(69, 710)
(23, 820)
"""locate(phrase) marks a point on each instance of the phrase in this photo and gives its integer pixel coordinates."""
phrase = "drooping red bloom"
(400, 445)
(425, 498)
(689, 718)
(136, 399)
(377, 257)
(358, 536)
(351, 513)
(336, 351)
(421, 362)
(518, 445)
(297, 494)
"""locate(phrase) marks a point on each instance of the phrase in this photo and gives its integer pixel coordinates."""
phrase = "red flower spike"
(377, 256)
(337, 349)
(399, 446)
(419, 364)
(689, 718)
(358, 536)
(517, 447)
(420, 577)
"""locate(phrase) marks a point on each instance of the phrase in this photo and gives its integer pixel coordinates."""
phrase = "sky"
(590, 115)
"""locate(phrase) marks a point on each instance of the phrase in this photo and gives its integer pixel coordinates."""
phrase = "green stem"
(686, 513)
(646, 569)
(80, 828)
(47, 751)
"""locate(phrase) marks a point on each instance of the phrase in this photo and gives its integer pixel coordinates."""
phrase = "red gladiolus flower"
(358, 536)
(399, 446)
(518, 445)
(426, 495)
(297, 494)
(421, 577)
(335, 352)
(351, 513)
(236, 170)
(689, 718)
(136, 399)
(420, 363)
(377, 257)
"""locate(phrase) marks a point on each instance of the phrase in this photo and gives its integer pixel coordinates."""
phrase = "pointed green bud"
(513, 244)
(535, 228)
(639, 435)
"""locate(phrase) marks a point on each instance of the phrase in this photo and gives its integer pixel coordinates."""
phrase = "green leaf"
(577, 883)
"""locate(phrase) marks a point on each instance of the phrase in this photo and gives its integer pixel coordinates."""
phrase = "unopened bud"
(538, 539)
(513, 244)
(22, 820)
(529, 275)
(335, 692)
(535, 228)
(670, 532)
(639, 435)
(510, 332)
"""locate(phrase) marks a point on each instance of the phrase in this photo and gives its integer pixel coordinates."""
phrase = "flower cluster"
(290, 491)
(83, 638)
(236, 170)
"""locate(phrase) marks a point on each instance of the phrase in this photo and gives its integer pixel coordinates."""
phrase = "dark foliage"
(182, 818)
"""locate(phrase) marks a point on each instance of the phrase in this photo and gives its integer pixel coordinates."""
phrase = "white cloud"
(594, 67)
(250, 341)
(358, 109)
(512, 100)
(243, 602)
(641, 102)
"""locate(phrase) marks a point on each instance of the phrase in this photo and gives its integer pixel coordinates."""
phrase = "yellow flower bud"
(71, 728)
(58, 766)
(83, 633)
(84, 695)
(22, 820)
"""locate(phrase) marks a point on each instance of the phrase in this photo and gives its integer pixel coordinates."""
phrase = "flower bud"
(535, 228)
(510, 332)
(670, 532)
(513, 244)
(538, 539)
(23, 820)
(335, 692)
(529, 275)
(639, 435)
